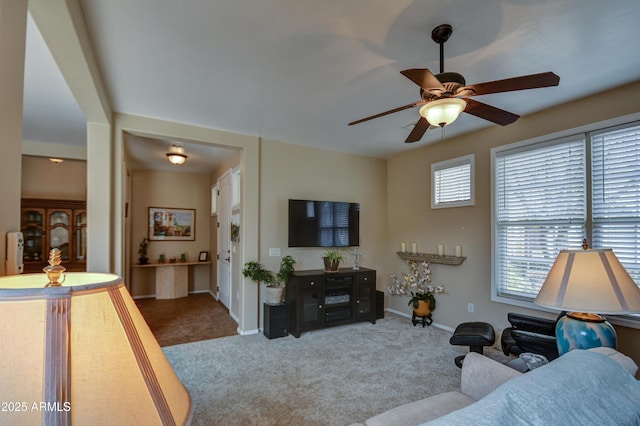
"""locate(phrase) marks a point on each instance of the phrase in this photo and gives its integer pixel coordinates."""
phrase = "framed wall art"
(168, 224)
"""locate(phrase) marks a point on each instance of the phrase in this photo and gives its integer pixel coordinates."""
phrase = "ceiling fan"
(444, 96)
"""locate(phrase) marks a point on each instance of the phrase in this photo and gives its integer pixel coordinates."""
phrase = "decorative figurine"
(54, 270)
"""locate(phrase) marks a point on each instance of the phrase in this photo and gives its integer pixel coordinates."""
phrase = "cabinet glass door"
(365, 295)
(311, 307)
(80, 224)
(363, 300)
(33, 234)
(59, 232)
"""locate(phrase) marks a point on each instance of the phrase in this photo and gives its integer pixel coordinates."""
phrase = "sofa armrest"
(624, 361)
(481, 375)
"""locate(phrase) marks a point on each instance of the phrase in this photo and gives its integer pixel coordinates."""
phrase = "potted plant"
(142, 251)
(286, 269)
(332, 259)
(256, 272)
(417, 285)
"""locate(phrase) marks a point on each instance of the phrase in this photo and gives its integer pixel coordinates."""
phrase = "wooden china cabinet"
(47, 224)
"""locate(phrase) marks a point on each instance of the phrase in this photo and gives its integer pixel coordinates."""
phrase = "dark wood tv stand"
(318, 299)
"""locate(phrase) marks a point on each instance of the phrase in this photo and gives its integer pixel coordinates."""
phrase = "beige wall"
(293, 171)
(411, 218)
(174, 190)
(13, 15)
(62, 181)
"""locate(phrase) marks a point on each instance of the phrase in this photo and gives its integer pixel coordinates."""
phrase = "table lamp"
(586, 282)
(76, 350)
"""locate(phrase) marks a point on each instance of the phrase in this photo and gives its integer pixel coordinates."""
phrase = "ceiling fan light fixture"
(176, 154)
(442, 112)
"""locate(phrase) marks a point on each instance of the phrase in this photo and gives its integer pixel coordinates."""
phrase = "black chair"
(530, 334)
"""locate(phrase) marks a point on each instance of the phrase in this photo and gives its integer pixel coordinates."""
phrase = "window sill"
(620, 320)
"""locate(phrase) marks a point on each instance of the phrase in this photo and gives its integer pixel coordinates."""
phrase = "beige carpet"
(335, 376)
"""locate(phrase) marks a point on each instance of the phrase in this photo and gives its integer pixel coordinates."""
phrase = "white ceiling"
(299, 70)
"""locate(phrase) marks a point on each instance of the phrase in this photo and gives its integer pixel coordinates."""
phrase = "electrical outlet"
(274, 252)
(470, 307)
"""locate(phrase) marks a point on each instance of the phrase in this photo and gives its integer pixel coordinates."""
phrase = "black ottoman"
(476, 335)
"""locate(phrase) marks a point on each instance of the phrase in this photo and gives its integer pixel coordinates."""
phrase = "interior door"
(224, 240)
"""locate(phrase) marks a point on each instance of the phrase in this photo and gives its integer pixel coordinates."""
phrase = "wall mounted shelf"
(433, 258)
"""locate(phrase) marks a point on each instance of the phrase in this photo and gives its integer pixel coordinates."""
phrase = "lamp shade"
(442, 112)
(589, 281)
(82, 354)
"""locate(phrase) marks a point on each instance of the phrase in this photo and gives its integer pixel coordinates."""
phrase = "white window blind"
(616, 194)
(539, 209)
(452, 183)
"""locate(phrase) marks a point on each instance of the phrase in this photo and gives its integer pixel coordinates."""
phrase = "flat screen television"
(323, 224)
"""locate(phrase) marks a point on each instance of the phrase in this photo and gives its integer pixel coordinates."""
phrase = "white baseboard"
(406, 315)
(246, 333)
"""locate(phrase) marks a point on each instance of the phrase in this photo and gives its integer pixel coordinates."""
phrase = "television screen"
(323, 224)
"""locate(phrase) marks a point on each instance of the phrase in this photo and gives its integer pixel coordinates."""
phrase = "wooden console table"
(172, 279)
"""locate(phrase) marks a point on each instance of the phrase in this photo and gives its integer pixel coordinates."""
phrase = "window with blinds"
(539, 210)
(452, 183)
(615, 171)
(545, 200)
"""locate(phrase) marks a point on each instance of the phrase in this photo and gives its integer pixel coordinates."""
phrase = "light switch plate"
(274, 252)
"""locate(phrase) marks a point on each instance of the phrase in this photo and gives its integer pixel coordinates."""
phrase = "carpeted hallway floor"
(188, 319)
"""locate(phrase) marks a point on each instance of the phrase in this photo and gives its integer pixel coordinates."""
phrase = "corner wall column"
(13, 30)
(100, 252)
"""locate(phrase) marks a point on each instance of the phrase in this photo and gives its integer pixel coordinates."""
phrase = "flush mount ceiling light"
(443, 112)
(56, 160)
(176, 154)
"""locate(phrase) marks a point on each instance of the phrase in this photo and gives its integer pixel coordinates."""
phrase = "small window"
(235, 188)
(214, 200)
(452, 183)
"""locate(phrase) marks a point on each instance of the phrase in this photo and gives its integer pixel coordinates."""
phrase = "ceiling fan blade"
(423, 78)
(418, 131)
(391, 111)
(533, 81)
(487, 112)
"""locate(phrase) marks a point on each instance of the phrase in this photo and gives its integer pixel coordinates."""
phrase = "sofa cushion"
(579, 388)
(417, 412)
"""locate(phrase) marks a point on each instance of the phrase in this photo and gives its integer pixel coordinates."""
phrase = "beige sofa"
(479, 401)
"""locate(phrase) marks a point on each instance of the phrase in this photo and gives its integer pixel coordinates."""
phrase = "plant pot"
(143, 260)
(330, 266)
(274, 295)
(423, 308)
